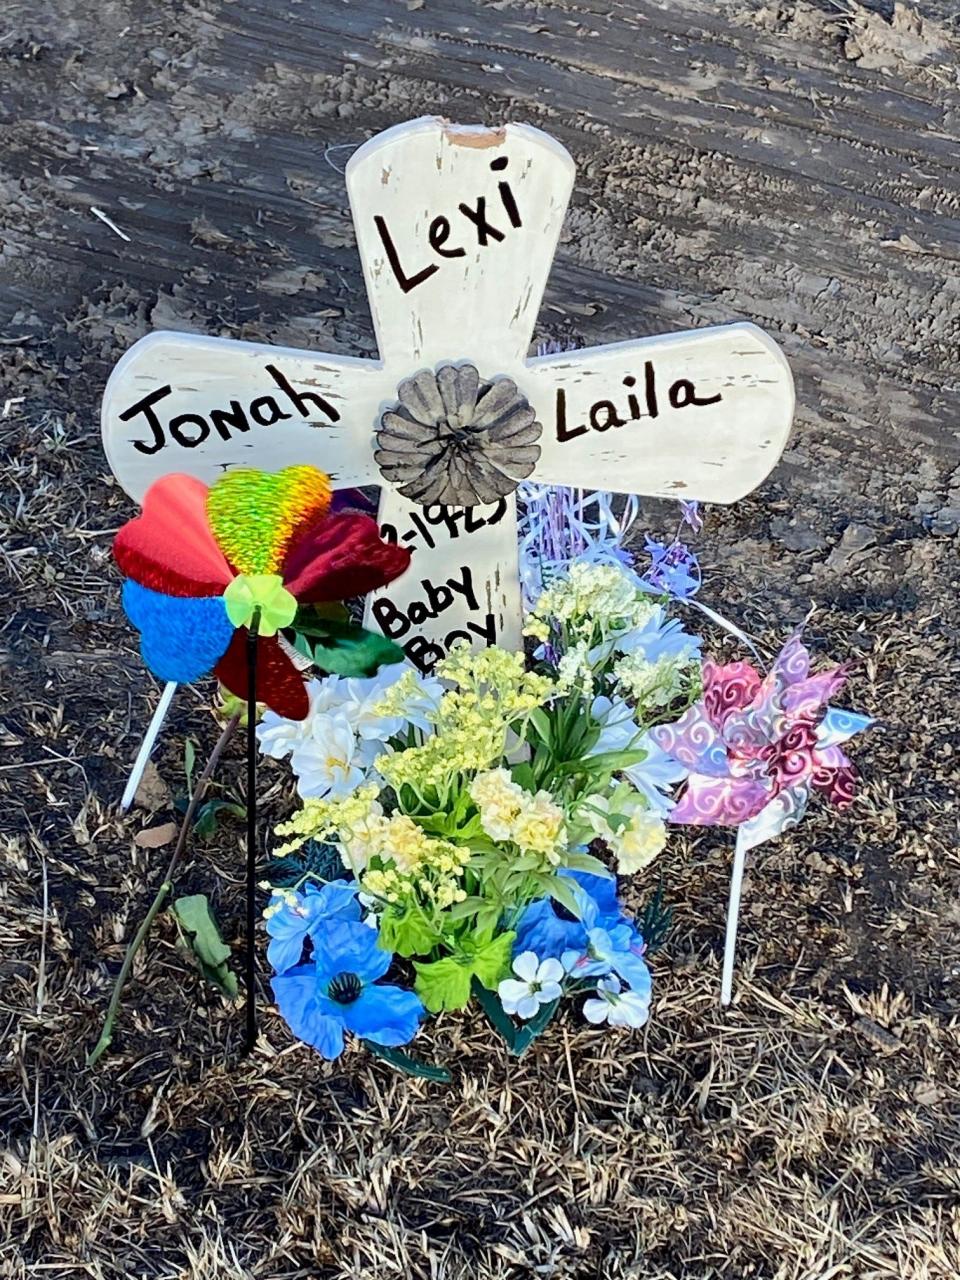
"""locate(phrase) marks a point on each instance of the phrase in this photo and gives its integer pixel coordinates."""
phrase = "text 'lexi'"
(438, 233)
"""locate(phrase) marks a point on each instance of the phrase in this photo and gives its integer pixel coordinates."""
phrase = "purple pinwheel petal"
(793, 661)
(759, 723)
(690, 514)
(783, 812)
(693, 742)
(720, 802)
(831, 758)
(807, 699)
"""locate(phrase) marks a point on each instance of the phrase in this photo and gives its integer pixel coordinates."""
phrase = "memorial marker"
(456, 229)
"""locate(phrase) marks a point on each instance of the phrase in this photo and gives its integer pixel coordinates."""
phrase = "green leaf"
(443, 984)
(409, 1066)
(561, 890)
(605, 762)
(349, 650)
(541, 723)
(488, 916)
(490, 1004)
(199, 928)
(523, 776)
(409, 932)
(468, 907)
(586, 862)
(205, 823)
(526, 1035)
(189, 761)
(655, 921)
(492, 960)
(314, 619)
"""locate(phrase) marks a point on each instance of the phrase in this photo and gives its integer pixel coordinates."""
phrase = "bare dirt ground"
(793, 163)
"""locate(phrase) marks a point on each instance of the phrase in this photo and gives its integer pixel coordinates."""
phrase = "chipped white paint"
(457, 228)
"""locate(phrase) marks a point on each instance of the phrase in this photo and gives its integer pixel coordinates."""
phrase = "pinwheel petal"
(342, 557)
(838, 785)
(694, 742)
(181, 639)
(279, 684)
(792, 663)
(807, 699)
(727, 689)
(719, 802)
(256, 515)
(169, 547)
(839, 726)
(783, 812)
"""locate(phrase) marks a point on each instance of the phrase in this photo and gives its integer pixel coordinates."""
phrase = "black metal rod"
(251, 938)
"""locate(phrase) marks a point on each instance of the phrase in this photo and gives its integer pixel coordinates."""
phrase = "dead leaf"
(927, 1093)
(152, 792)
(155, 837)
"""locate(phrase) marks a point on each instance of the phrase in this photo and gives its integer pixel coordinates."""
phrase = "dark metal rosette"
(455, 440)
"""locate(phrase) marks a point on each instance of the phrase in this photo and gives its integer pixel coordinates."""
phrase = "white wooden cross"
(456, 228)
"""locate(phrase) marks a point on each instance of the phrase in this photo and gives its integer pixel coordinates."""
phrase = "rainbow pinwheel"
(202, 562)
(757, 747)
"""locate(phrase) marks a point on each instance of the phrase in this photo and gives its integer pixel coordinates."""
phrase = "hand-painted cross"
(457, 227)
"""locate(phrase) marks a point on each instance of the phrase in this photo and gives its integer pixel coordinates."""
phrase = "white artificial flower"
(328, 762)
(656, 773)
(616, 1006)
(499, 800)
(635, 844)
(539, 983)
(414, 696)
(279, 737)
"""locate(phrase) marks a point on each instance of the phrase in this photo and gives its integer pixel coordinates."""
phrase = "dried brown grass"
(809, 1133)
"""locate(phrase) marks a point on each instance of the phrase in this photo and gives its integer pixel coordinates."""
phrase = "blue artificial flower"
(690, 514)
(618, 949)
(336, 992)
(290, 922)
(673, 569)
(549, 929)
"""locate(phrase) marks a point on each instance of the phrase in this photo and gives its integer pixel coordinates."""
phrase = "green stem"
(106, 1035)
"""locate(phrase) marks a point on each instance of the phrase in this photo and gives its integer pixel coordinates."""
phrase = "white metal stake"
(146, 746)
(733, 917)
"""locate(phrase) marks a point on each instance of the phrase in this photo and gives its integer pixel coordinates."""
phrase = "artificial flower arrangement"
(462, 835)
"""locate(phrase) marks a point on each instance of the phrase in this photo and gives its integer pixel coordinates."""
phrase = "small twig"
(98, 213)
(42, 966)
(106, 1035)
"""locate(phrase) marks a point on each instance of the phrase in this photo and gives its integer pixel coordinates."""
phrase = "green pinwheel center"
(265, 593)
(344, 988)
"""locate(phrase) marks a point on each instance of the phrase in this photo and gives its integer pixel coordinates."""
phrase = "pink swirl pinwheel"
(757, 747)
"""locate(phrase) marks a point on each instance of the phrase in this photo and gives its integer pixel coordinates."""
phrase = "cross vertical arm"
(457, 227)
(463, 582)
